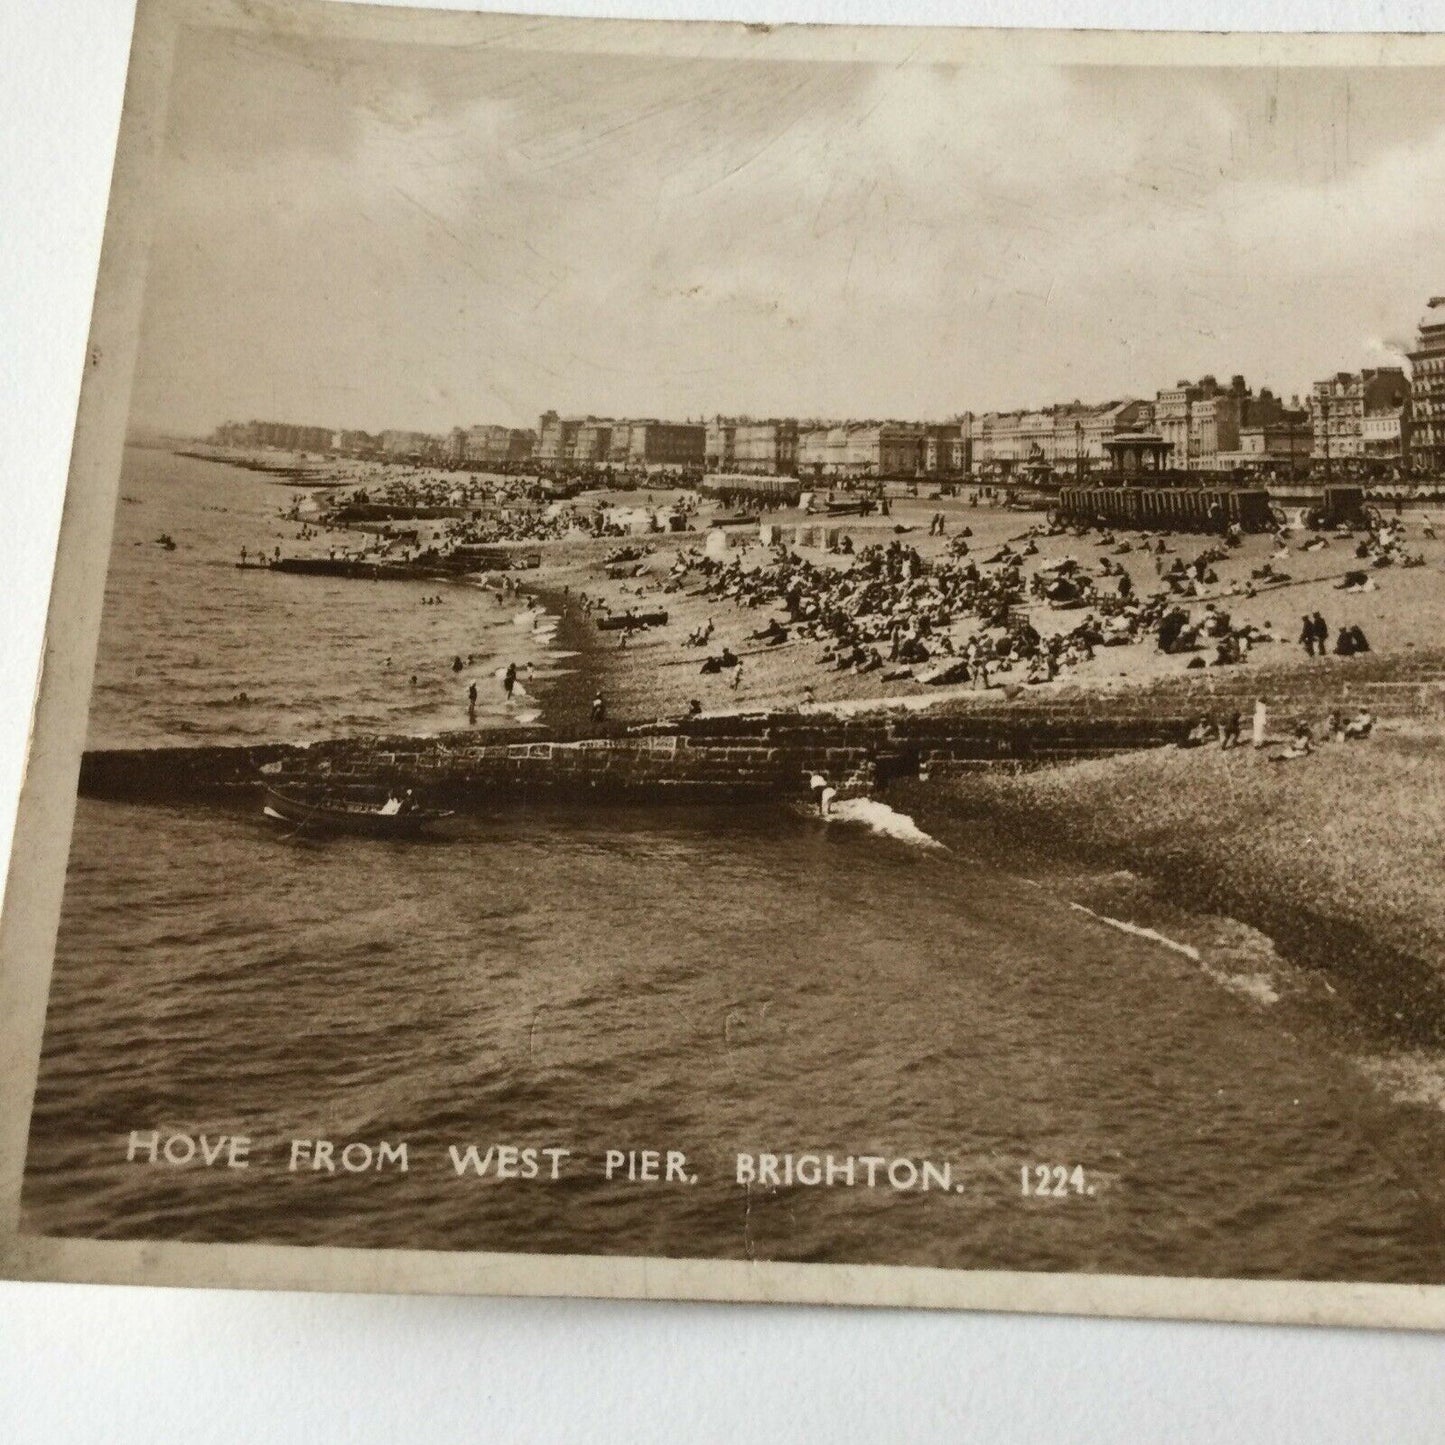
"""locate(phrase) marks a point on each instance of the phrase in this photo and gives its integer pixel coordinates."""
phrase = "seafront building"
(644, 443)
(765, 448)
(412, 446)
(1069, 435)
(1427, 390)
(860, 449)
(787, 447)
(666, 443)
(284, 436)
(556, 438)
(484, 446)
(1340, 404)
(757, 447)
(353, 442)
(1203, 422)
(1376, 416)
(719, 443)
(946, 448)
(1283, 446)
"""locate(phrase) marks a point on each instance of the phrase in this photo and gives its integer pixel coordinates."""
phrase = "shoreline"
(568, 700)
(1332, 861)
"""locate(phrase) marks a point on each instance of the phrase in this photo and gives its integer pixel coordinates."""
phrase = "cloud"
(415, 238)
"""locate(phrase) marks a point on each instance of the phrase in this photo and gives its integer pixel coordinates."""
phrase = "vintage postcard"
(763, 664)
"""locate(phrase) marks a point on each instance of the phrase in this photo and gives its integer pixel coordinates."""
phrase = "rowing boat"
(338, 817)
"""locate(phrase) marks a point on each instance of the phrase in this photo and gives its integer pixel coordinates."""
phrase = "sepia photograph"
(690, 657)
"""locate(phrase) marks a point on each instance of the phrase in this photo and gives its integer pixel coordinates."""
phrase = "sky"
(394, 236)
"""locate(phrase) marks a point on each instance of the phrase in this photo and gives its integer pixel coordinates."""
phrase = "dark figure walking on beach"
(1307, 634)
(509, 679)
(1322, 634)
(472, 703)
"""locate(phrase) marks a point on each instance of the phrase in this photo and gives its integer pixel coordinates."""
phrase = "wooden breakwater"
(718, 759)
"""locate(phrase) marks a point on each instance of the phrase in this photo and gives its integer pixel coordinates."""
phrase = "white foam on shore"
(1256, 986)
(880, 818)
(1409, 1078)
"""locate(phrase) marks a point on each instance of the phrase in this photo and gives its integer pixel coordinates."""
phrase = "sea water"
(196, 649)
(717, 984)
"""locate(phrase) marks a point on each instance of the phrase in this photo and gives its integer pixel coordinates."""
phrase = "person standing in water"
(472, 703)
(509, 679)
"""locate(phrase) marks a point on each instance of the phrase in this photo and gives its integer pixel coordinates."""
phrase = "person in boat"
(392, 806)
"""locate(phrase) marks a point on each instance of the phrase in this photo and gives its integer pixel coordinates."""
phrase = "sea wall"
(734, 759)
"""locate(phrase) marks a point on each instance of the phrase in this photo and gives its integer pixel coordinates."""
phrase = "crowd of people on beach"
(892, 611)
(953, 613)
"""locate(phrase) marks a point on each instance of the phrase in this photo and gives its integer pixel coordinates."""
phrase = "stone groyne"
(715, 759)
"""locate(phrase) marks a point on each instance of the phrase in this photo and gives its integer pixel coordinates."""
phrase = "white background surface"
(82, 1363)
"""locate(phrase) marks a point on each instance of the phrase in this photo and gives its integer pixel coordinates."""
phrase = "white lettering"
(937, 1176)
(150, 1148)
(362, 1160)
(391, 1154)
(170, 1152)
(479, 1163)
(904, 1170)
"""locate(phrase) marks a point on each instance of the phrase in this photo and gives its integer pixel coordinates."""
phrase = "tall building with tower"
(1427, 390)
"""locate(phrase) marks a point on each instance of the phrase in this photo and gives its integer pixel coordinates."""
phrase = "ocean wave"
(1415, 1078)
(880, 818)
(1256, 986)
